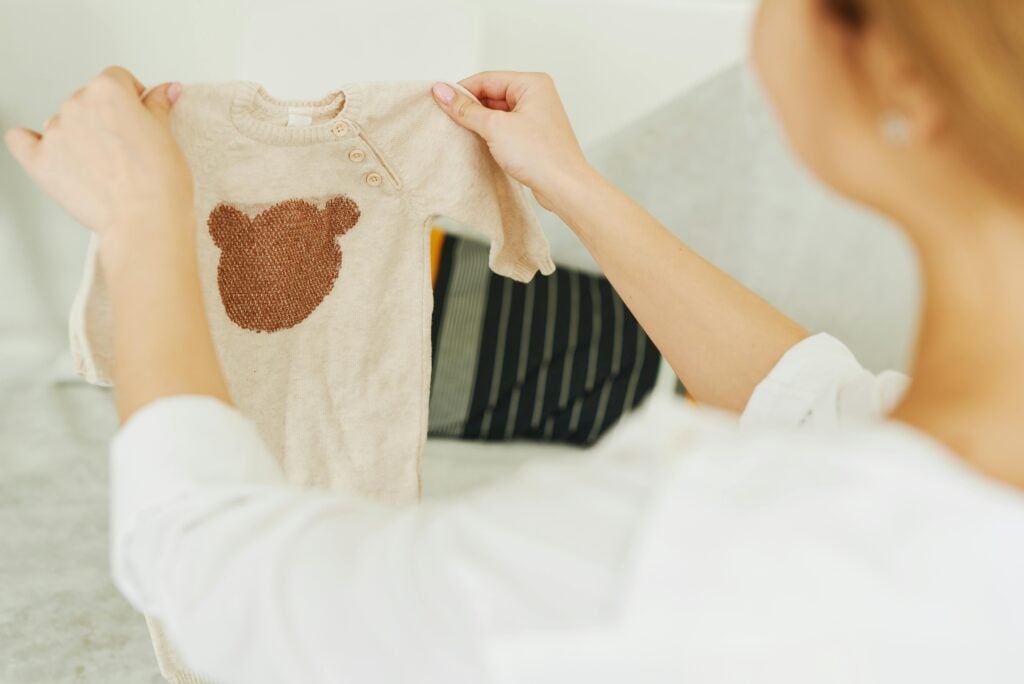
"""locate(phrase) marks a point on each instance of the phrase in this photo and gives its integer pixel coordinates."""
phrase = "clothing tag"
(298, 119)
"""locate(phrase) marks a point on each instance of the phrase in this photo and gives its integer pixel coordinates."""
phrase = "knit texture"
(313, 240)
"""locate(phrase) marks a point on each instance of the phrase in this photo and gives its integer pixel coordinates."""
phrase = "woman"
(884, 544)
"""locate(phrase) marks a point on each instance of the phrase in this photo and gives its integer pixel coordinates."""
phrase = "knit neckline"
(251, 103)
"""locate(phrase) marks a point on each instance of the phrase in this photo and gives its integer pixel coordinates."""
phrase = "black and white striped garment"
(557, 359)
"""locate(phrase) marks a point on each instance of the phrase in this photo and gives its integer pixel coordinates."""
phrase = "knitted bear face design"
(277, 267)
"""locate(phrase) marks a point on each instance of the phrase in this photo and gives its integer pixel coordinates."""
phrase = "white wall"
(614, 60)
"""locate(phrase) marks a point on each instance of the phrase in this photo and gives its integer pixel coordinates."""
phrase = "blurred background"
(661, 96)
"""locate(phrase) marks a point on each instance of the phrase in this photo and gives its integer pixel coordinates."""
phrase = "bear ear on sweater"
(340, 214)
(228, 226)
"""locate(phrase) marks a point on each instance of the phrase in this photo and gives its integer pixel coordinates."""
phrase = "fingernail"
(444, 92)
(173, 91)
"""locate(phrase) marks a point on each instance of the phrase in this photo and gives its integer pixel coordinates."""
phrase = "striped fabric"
(557, 359)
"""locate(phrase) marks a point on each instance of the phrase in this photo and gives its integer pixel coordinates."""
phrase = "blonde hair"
(972, 54)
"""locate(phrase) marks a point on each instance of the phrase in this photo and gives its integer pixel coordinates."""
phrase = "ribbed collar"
(251, 97)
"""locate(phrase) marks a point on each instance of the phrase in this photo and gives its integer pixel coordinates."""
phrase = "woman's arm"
(162, 342)
(255, 580)
(720, 338)
(109, 159)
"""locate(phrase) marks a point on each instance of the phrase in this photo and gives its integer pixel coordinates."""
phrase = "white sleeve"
(256, 580)
(819, 382)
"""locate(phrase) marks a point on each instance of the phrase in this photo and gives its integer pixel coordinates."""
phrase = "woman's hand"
(719, 337)
(525, 125)
(108, 157)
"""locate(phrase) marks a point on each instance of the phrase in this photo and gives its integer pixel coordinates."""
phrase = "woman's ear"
(228, 226)
(906, 108)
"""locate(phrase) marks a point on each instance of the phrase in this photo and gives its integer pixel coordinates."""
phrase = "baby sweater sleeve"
(449, 171)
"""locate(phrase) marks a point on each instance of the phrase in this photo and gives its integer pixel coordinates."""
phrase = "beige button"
(340, 128)
(374, 179)
(356, 155)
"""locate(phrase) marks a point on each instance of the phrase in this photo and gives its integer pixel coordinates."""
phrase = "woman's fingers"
(160, 98)
(498, 86)
(535, 144)
(102, 158)
(22, 143)
(500, 105)
(503, 86)
(462, 109)
(491, 85)
(125, 78)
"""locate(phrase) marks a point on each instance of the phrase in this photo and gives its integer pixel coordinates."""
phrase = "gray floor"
(61, 619)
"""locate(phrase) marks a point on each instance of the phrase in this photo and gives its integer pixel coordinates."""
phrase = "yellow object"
(436, 243)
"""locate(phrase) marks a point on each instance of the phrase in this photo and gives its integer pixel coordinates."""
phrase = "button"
(374, 179)
(356, 155)
(340, 128)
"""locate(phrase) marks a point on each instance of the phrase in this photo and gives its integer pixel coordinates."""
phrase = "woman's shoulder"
(706, 442)
(874, 521)
(881, 482)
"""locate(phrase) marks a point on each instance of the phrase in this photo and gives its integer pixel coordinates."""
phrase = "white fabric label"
(298, 119)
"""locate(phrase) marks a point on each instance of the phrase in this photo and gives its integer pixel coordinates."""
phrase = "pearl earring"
(895, 128)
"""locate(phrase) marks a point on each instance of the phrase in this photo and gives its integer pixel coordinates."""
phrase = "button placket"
(358, 155)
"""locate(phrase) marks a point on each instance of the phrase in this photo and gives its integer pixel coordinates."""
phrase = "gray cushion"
(713, 167)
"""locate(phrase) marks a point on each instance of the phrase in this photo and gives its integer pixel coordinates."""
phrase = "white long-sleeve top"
(686, 546)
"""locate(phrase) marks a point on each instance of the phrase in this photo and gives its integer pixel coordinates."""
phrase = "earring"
(895, 127)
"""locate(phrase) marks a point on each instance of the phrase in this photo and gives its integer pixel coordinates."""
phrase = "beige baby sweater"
(313, 222)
